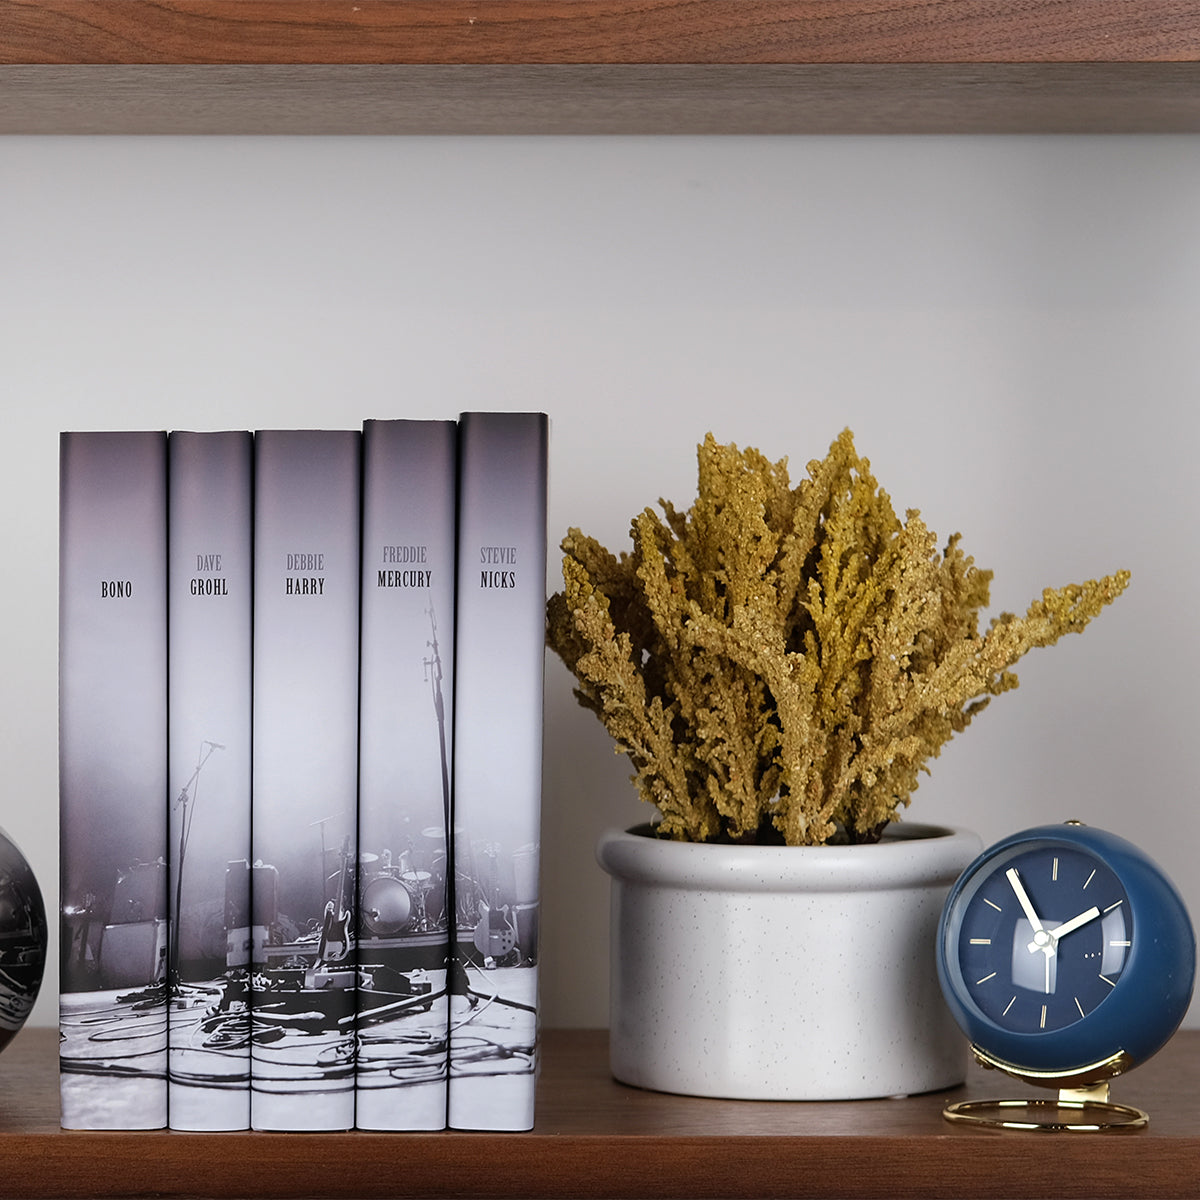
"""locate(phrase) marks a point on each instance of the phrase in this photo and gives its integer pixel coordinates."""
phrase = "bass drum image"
(387, 907)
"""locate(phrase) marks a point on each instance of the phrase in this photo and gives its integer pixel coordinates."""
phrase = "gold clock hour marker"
(1008, 1006)
(1054, 872)
(1080, 1007)
(1110, 982)
(1117, 904)
(1089, 878)
(993, 904)
(988, 942)
(1127, 943)
(985, 979)
(1043, 1016)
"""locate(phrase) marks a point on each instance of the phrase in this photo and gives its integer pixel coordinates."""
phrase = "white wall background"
(1010, 326)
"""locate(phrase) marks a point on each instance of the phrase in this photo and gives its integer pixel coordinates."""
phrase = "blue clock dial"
(1044, 936)
(1065, 952)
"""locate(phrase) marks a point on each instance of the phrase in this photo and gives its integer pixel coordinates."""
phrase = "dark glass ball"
(23, 939)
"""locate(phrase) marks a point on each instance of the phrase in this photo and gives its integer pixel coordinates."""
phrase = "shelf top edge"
(608, 32)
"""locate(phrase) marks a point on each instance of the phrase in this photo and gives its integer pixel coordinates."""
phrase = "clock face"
(1043, 935)
(1065, 952)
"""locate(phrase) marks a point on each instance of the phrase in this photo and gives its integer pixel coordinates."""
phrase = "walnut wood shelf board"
(598, 31)
(599, 66)
(598, 1138)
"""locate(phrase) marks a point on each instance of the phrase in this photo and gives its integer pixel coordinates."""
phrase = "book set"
(300, 775)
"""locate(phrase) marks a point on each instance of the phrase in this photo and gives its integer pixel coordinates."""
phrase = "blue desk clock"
(1067, 957)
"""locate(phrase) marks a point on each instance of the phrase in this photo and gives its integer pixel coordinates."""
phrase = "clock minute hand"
(1023, 899)
(1070, 926)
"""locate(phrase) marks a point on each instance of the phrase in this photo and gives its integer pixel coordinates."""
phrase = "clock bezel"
(1151, 994)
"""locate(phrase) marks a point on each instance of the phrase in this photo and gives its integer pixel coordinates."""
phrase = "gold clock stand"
(1082, 1108)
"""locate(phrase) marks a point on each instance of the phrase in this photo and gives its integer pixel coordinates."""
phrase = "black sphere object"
(23, 939)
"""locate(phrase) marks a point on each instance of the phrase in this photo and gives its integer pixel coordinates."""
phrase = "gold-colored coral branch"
(781, 663)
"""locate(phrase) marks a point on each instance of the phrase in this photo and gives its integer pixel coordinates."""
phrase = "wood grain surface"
(1053, 98)
(599, 66)
(594, 1137)
(597, 31)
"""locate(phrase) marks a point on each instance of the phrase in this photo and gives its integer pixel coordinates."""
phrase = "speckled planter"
(780, 972)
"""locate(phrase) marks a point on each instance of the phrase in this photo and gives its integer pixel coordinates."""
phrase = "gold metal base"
(1082, 1106)
(1080, 1110)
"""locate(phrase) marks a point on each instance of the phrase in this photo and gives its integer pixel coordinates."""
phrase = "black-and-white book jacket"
(305, 770)
(210, 577)
(113, 779)
(500, 655)
(410, 475)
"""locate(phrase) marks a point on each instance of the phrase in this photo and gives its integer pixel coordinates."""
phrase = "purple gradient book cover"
(500, 657)
(305, 778)
(410, 473)
(113, 779)
(210, 481)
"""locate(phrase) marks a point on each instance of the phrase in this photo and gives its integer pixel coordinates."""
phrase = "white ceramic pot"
(782, 972)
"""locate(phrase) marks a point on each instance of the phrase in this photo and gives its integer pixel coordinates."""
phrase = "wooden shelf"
(611, 66)
(596, 1138)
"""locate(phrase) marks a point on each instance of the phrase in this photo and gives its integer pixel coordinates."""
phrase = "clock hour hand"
(1066, 927)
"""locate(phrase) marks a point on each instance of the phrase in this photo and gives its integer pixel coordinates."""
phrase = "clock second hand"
(1044, 940)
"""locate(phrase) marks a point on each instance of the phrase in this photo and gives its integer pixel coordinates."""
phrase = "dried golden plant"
(779, 663)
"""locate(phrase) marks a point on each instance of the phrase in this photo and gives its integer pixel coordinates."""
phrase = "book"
(499, 667)
(113, 779)
(405, 746)
(210, 523)
(305, 767)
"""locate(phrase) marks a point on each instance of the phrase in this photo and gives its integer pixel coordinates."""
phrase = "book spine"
(210, 509)
(499, 661)
(113, 779)
(305, 712)
(406, 709)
